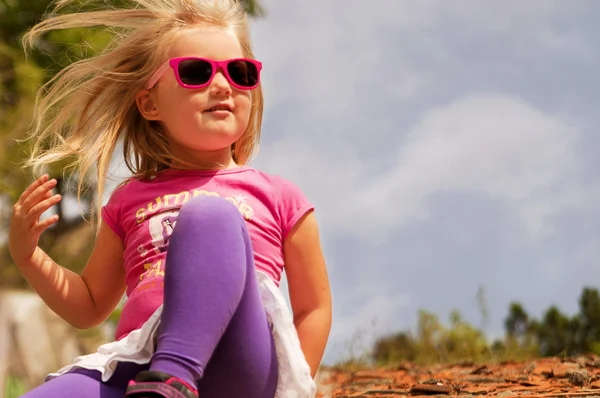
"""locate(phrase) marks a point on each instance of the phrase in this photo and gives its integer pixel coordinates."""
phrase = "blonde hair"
(83, 111)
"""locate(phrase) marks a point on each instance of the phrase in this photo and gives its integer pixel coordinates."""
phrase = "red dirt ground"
(546, 377)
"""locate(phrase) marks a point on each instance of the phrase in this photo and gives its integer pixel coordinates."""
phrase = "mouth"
(219, 108)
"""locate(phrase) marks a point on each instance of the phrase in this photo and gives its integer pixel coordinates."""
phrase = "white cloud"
(329, 51)
(325, 58)
(493, 146)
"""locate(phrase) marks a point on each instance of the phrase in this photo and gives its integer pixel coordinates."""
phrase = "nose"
(220, 85)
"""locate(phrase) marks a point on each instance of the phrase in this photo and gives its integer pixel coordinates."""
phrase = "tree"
(556, 333)
(589, 313)
(517, 322)
(70, 241)
(395, 348)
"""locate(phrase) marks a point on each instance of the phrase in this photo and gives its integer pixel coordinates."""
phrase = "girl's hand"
(25, 224)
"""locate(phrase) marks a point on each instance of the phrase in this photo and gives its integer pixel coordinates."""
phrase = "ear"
(146, 105)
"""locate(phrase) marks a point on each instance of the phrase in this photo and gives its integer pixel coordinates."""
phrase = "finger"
(38, 194)
(43, 225)
(32, 187)
(20, 212)
(37, 210)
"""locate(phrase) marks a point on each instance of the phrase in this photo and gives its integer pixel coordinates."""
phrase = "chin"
(216, 142)
(225, 134)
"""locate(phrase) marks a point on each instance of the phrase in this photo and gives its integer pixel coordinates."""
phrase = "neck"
(209, 160)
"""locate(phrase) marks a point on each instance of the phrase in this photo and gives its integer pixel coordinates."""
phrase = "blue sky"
(447, 145)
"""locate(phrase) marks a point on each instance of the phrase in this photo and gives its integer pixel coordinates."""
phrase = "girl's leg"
(75, 385)
(214, 330)
(83, 383)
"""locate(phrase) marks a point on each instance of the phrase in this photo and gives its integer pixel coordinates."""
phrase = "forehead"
(213, 43)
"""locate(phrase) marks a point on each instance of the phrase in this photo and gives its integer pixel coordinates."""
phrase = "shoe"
(150, 384)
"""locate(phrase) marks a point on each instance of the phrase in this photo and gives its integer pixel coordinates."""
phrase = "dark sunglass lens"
(243, 73)
(195, 72)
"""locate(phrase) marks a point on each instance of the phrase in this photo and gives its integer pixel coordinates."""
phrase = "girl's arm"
(85, 300)
(308, 284)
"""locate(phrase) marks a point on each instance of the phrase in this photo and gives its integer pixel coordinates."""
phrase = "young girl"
(195, 238)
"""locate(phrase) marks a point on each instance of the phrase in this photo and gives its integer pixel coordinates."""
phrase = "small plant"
(14, 387)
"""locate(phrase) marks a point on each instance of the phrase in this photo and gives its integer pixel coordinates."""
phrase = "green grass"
(14, 387)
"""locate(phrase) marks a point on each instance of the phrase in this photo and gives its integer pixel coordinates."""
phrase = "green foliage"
(517, 322)
(555, 333)
(433, 342)
(14, 387)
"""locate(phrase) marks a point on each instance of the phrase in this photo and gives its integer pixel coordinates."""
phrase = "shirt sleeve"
(112, 212)
(293, 205)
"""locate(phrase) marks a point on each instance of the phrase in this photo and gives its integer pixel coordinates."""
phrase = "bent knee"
(210, 208)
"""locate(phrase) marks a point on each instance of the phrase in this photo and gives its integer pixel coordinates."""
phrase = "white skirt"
(294, 379)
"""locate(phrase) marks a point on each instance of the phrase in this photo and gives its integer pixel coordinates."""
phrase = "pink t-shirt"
(144, 212)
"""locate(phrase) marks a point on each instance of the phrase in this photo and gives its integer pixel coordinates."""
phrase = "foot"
(150, 384)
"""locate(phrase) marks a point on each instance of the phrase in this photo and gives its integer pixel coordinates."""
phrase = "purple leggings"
(214, 331)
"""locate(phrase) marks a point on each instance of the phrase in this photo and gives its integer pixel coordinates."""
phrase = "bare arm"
(85, 300)
(310, 294)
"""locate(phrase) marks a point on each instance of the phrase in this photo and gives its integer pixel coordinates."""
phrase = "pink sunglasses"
(195, 73)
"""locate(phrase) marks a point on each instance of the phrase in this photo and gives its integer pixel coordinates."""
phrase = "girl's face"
(197, 131)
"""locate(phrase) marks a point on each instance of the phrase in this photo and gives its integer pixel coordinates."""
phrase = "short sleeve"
(293, 205)
(112, 212)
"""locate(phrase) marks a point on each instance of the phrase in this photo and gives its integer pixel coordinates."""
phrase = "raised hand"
(25, 224)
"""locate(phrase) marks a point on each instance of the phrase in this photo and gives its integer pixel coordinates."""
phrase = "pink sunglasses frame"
(216, 65)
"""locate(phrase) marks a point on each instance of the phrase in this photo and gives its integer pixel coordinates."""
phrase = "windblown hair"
(83, 111)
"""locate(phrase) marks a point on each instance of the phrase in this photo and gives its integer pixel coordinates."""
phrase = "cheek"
(243, 107)
(180, 107)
